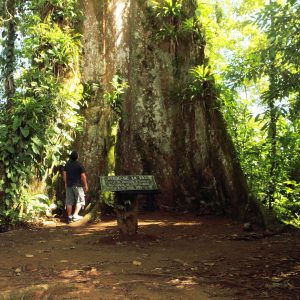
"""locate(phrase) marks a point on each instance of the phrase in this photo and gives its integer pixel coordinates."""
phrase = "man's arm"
(83, 179)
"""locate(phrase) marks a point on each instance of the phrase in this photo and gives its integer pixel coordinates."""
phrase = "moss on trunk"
(163, 131)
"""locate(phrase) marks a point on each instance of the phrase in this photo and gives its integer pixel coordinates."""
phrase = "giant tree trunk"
(181, 141)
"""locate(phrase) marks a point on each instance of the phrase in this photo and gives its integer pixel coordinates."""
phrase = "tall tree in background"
(9, 59)
(271, 67)
(8, 68)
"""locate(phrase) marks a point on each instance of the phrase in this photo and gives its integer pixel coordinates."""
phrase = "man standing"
(76, 185)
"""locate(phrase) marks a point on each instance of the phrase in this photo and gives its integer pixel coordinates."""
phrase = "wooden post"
(127, 188)
(126, 207)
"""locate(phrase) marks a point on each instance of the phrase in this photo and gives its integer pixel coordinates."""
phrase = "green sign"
(128, 183)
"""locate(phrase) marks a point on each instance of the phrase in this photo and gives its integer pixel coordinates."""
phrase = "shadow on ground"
(172, 257)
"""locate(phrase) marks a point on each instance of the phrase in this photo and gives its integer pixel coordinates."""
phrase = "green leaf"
(16, 123)
(35, 148)
(257, 118)
(3, 130)
(37, 141)
(73, 104)
(198, 13)
(25, 131)
(10, 149)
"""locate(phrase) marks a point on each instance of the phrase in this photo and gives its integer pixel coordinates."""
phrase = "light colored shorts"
(75, 195)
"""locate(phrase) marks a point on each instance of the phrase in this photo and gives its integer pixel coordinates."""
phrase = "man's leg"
(70, 201)
(80, 201)
(69, 210)
(78, 207)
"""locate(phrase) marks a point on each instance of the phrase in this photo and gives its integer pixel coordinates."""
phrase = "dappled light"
(170, 257)
(149, 149)
(119, 12)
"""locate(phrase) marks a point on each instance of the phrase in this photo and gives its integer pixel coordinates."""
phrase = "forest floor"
(173, 257)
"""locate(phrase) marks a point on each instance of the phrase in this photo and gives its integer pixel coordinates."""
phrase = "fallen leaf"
(181, 262)
(82, 280)
(209, 264)
(175, 281)
(136, 263)
(276, 279)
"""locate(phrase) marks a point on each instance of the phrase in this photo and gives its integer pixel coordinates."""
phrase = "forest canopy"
(253, 60)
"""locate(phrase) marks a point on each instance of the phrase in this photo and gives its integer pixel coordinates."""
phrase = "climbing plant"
(113, 97)
(39, 125)
(174, 23)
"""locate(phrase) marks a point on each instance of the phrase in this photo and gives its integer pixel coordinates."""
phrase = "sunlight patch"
(119, 21)
(183, 282)
(187, 223)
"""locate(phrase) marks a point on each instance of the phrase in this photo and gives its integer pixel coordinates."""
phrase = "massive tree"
(169, 124)
(149, 100)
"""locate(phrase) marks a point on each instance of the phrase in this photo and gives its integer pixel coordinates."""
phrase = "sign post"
(126, 189)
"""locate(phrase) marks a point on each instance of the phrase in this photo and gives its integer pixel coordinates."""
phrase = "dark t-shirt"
(74, 169)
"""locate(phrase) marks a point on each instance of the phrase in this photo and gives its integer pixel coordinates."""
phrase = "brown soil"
(173, 257)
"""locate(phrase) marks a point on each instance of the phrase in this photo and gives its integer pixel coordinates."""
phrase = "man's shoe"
(77, 218)
(69, 219)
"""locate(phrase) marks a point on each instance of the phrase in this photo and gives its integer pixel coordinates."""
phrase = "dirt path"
(174, 257)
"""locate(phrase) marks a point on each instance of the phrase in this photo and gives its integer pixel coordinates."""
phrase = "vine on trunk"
(40, 119)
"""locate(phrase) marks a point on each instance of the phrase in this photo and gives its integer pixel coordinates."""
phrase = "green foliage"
(8, 55)
(174, 21)
(201, 81)
(57, 11)
(287, 203)
(114, 97)
(114, 100)
(52, 49)
(166, 8)
(267, 70)
(34, 202)
(43, 116)
(255, 67)
(108, 198)
(90, 89)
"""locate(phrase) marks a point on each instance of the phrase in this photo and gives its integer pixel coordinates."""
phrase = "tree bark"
(9, 67)
(164, 132)
(9, 81)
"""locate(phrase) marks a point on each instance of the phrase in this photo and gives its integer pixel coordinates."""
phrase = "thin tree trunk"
(9, 67)
(273, 153)
(273, 125)
(8, 71)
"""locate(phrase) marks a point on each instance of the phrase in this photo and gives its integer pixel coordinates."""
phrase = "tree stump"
(126, 207)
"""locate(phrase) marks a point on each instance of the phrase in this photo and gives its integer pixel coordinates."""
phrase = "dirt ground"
(173, 257)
